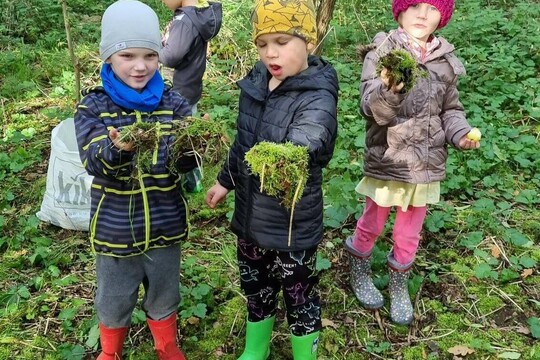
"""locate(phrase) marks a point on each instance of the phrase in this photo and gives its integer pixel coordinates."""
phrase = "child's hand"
(114, 135)
(466, 144)
(395, 88)
(215, 195)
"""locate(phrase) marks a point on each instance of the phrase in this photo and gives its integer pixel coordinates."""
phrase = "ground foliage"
(475, 283)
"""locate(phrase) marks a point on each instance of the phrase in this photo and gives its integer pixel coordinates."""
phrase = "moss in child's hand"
(402, 68)
(282, 168)
(191, 135)
(204, 137)
(145, 138)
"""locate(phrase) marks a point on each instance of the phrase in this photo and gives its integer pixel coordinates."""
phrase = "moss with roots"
(192, 135)
(145, 138)
(282, 168)
(402, 68)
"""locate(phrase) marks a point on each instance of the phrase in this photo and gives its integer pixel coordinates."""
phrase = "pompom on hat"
(294, 17)
(445, 7)
(128, 24)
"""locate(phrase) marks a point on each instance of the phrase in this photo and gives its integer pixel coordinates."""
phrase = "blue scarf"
(123, 95)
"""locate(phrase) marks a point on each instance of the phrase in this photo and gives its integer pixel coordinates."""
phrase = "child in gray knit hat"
(136, 224)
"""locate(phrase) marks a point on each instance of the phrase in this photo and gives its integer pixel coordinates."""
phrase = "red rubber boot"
(112, 342)
(164, 333)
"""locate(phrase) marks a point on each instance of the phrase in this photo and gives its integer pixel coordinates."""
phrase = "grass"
(465, 293)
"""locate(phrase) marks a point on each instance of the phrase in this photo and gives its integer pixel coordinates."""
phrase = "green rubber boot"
(258, 336)
(305, 347)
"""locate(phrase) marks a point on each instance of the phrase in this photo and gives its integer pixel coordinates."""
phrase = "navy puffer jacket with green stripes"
(130, 216)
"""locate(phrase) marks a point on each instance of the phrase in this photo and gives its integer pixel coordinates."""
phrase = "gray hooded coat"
(407, 134)
(185, 48)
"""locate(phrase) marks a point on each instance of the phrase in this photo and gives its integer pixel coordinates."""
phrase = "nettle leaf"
(534, 325)
(72, 352)
(68, 314)
(527, 262)
(23, 292)
(93, 337)
(522, 161)
(200, 290)
(484, 205)
(436, 220)
(504, 205)
(484, 271)
(472, 240)
(508, 275)
(322, 263)
(527, 197)
(516, 238)
(415, 283)
(475, 164)
(138, 316)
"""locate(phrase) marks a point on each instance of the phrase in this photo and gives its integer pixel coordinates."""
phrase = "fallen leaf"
(523, 330)
(460, 350)
(193, 320)
(329, 323)
(526, 273)
(495, 252)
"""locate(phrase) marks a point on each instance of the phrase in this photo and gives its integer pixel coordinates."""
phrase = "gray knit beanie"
(128, 24)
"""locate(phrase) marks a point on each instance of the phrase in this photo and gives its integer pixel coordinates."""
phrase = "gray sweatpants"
(118, 281)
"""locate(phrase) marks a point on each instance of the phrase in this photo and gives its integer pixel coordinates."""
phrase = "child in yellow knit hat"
(288, 96)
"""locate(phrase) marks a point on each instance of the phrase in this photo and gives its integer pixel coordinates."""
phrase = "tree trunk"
(325, 10)
(71, 50)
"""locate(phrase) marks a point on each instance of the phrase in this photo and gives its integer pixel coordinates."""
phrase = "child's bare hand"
(467, 144)
(215, 195)
(114, 135)
(395, 88)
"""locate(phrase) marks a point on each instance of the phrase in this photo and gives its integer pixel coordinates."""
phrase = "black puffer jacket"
(302, 110)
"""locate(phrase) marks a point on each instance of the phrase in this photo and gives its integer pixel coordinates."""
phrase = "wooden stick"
(74, 59)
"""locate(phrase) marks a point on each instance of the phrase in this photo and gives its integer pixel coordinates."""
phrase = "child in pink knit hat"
(407, 135)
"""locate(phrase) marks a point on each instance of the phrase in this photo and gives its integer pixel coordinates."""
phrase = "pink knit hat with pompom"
(445, 7)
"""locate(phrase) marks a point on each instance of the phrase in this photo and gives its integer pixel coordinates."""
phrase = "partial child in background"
(406, 147)
(289, 96)
(185, 43)
(136, 225)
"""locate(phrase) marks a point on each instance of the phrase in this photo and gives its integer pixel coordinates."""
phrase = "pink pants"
(406, 233)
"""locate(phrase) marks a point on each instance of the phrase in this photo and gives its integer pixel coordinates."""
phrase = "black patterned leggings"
(263, 273)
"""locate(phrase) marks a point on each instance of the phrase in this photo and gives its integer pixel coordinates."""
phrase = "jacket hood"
(319, 75)
(384, 41)
(207, 20)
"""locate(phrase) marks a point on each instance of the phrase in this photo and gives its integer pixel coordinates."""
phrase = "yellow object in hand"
(474, 134)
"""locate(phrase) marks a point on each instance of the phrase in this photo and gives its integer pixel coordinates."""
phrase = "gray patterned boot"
(401, 309)
(369, 296)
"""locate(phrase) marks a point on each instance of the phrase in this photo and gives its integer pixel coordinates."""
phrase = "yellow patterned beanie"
(294, 17)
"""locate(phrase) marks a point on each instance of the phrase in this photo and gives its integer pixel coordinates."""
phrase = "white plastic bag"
(66, 202)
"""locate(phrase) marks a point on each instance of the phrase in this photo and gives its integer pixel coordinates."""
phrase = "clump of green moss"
(282, 168)
(197, 135)
(402, 68)
(192, 135)
(145, 139)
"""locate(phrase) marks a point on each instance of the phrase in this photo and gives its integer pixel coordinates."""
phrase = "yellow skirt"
(389, 193)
